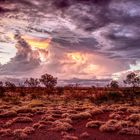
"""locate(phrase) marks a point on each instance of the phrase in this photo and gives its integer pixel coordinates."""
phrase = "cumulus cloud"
(25, 59)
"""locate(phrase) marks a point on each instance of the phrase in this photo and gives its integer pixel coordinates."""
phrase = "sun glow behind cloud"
(36, 43)
(77, 57)
(39, 45)
(102, 42)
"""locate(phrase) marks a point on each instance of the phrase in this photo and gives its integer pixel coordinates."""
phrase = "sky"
(89, 42)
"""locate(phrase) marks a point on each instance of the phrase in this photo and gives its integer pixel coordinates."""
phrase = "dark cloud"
(109, 28)
(85, 44)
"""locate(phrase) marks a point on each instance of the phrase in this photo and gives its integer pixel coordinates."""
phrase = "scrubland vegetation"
(40, 110)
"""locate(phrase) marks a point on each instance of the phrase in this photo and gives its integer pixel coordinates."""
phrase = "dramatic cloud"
(83, 39)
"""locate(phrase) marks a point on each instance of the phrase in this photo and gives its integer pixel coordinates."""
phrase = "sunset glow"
(99, 43)
(77, 57)
(69, 69)
(36, 43)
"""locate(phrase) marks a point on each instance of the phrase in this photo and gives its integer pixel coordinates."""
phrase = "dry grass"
(69, 137)
(42, 124)
(124, 124)
(23, 133)
(8, 114)
(24, 110)
(94, 124)
(5, 132)
(65, 115)
(130, 131)
(137, 125)
(61, 126)
(84, 135)
(68, 120)
(23, 120)
(96, 111)
(134, 117)
(36, 103)
(122, 108)
(28, 130)
(47, 118)
(115, 115)
(109, 126)
(133, 110)
(25, 114)
(8, 123)
(81, 115)
(56, 115)
(19, 134)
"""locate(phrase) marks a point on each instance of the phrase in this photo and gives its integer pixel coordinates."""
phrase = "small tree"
(1, 89)
(114, 84)
(133, 80)
(11, 86)
(32, 82)
(49, 82)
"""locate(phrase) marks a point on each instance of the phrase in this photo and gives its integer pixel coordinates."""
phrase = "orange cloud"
(37, 43)
(77, 57)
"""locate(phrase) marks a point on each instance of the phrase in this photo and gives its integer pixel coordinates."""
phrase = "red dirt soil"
(79, 128)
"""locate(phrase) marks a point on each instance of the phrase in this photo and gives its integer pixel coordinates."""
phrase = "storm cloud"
(88, 37)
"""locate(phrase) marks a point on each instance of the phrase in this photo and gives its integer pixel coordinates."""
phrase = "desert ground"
(62, 117)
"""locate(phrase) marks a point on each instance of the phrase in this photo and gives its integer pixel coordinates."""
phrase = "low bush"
(8, 114)
(130, 131)
(94, 124)
(61, 126)
(81, 115)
